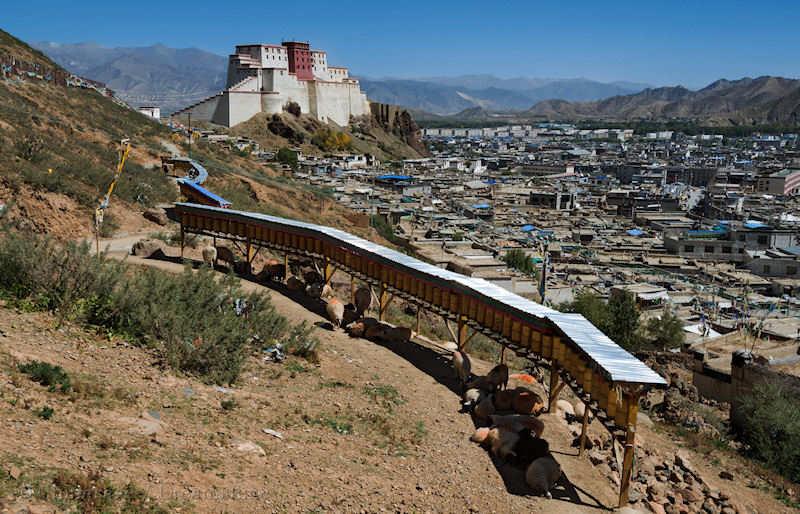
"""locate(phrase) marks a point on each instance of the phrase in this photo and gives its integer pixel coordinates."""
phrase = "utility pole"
(190, 135)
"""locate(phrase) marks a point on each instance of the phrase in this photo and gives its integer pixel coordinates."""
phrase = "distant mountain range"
(174, 78)
(154, 75)
(762, 100)
(449, 95)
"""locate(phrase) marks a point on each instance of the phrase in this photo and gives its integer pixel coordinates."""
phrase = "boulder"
(643, 420)
(726, 475)
(565, 409)
(146, 248)
(579, 408)
(690, 495)
(595, 457)
(250, 447)
(158, 216)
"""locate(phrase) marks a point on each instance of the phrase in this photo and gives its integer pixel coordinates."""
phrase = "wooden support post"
(329, 271)
(584, 428)
(183, 240)
(449, 329)
(248, 251)
(352, 289)
(470, 337)
(255, 253)
(554, 387)
(385, 299)
(462, 332)
(285, 266)
(630, 440)
(419, 312)
(214, 242)
(503, 355)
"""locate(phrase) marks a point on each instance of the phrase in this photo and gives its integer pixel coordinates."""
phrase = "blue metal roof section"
(204, 192)
(619, 364)
(754, 225)
(394, 177)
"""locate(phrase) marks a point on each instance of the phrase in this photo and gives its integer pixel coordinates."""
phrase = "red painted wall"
(299, 59)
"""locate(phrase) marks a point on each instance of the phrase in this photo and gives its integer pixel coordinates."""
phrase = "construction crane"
(122, 155)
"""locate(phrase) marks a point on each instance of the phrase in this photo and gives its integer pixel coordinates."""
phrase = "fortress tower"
(266, 78)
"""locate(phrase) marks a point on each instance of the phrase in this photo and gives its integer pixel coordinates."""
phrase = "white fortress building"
(267, 78)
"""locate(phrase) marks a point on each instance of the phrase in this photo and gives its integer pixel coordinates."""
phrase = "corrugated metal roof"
(620, 365)
(203, 191)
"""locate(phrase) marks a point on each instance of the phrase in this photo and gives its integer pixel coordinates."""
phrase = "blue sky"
(653, 41)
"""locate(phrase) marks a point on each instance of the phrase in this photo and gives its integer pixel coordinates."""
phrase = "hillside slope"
(373, 425)
(154, 75)
(746, 101)
(58, 149)
(368, 135)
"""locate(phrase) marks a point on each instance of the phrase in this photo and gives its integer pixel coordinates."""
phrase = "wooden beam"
(330, 269)
(584, 428)
(555, 387)
(214, 242)
(248, 251)
(385, 299)
(352, 289)
(376, 298)
(630, 446)
(462, 332)
(183, 240)
(285, 266)
(452, 334)
(250, 261)
(470, 337)
(243, 252)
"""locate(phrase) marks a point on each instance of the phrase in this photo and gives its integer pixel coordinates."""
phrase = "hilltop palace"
(266, 78)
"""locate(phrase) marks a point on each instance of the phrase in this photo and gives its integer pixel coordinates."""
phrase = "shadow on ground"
(437, 365)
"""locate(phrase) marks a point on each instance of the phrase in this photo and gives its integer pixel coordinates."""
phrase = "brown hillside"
(58, 149)
(746, 101)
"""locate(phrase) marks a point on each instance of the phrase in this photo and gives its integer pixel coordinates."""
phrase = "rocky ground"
(372, 427)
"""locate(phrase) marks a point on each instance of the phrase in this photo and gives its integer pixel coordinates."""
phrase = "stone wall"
(746, 373)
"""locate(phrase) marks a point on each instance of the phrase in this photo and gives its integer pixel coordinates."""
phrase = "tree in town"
(623, 320)
(665, 332)
(287, 156)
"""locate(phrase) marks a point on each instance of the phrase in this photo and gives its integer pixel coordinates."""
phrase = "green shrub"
(287, 156)
(53, 377)
(45, 412)
(770, 419)
(618, 319)
(519, 260)
(666, 332)
(384, 394)
(188, 319)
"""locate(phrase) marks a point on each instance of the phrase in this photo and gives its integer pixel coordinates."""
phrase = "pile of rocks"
(673, 486)
(678, 405)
